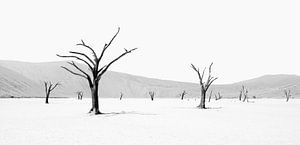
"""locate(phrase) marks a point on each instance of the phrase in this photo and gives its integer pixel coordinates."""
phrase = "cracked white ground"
(146, 122)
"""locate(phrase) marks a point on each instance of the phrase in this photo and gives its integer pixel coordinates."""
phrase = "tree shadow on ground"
(213, 107)
(207, 108)
(110, 114)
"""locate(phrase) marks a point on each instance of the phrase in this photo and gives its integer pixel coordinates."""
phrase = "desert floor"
(146, 122)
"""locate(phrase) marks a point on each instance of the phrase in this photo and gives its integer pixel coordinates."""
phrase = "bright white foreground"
(142, 122)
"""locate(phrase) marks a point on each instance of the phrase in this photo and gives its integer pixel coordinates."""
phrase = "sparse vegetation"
(49, 87)
(204, 85)
(93, 64)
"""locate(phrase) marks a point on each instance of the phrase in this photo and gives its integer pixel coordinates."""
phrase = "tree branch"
(104, 69)
(208, 85)
(52, 88)
(107, 45)
(73, 64)
(82, 54)
(203, 73)
(94, 53)
(73, 72)
(46, 86)
(198, 72)
(72, 56)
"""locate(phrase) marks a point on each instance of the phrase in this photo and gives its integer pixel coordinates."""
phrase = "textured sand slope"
(29, 78)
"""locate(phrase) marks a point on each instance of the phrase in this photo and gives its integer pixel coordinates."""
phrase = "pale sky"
(244, 39)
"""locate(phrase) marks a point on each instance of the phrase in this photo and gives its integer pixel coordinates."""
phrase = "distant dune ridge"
(23, 79)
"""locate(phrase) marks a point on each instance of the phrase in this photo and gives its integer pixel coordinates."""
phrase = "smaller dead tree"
(121, 95)
(79, 95)
(152, 94)
(218, 97)
(183, 94)
(49, 87)
(287, 94)
(240, 95)
(245, 93)
(210, 94)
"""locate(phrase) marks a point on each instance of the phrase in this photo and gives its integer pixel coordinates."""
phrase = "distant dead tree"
(121, 95)
(245, 93)
(218, 96)
(287, 94)
(210, 94)
(151, 94)
(204, 85)
(49, 87)
(183, 94)
(79, 95)
(95, 71)
(240, 95)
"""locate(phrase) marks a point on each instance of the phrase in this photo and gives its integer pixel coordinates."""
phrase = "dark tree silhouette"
(151, 94)
(287, 94)
(49, 87)
(79, 95)
(93, 64)
(183, 94)
(121, 95)
(204, 85)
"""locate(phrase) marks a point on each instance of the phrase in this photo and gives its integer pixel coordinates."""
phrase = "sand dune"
(26, 79)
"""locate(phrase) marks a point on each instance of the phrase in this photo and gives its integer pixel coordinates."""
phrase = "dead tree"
(204, 85)
(210, 94)
(218, 97)
(95, 70)
(240, 95)
(287, 94)
(183, 94)
(49, 87)
(121, 95)
(79, 95)
(245, 93)
(151, 94)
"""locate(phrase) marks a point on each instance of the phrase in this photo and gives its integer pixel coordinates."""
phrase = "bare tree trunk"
(202, 100)
(245, 97)
(95, 104)
(47, 97)
(240, 96)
